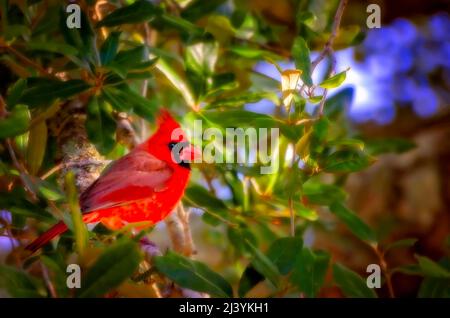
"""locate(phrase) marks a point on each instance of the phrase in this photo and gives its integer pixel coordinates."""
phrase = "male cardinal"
(144, 185)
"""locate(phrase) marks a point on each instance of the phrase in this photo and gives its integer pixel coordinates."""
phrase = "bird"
(145, 185)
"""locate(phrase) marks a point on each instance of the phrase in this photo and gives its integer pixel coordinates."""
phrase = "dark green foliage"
(201, 61)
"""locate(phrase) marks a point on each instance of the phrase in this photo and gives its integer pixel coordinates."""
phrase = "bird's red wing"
(133, 177)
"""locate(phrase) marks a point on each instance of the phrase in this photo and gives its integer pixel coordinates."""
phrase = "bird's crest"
(165, 121)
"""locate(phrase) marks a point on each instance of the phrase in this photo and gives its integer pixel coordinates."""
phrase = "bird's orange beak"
(190, 153)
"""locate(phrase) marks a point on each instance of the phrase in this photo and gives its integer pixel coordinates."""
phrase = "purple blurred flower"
(6, 216)
(404, 89)
(384, 114)
(381, 40)
(405, 32)
(425, 102)
(439, 26)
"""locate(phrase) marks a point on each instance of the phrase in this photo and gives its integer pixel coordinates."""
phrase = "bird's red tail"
(55, 230)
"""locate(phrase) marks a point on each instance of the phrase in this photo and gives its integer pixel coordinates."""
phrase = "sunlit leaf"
(37, 143)
(334, 81)
(300, 53)
(79, 228)
(289, 81)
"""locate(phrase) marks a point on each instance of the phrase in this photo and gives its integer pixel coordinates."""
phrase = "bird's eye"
(172, 144)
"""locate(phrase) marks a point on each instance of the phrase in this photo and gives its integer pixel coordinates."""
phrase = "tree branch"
(329, 44)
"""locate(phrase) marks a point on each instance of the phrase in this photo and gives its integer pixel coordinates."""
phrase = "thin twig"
(384, 268)
(328, 50)
(329, 44)
(22, 171)
(3, 111)
(26, 60)
(48, 281)
(292, 216)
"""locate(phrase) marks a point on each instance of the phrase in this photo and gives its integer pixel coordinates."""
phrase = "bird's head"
(170, 142)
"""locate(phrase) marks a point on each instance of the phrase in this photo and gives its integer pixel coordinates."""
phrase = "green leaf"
(201, 57)
(16, 122)
(115, 264)
(353, 222)
(41, 91)
(169, 21)
(315, 99)
(309, 271)
(401, 243)
(323, 194)
(177, 81)
(253, 53)
(409, 269)
(16, 30)
(334, 81)
(347, 142)
(141, 106)
(100, 125)
(58, 275)
(82, 38)
(15, 91)
(49, 191)
(193, 275)
(37, 143)
(108, 50)
(434, 288)
(79, 227)
(300, 53)
(339, 102)
(351, 284)
(348, 160)
(214, 207)
(284, 252)
(250, 277)
(116, 98)
(199, 8)
(54, 47)
(242, 99)
(431, 268)
(263, 264)
(135, 59)
(138, 12)
(16, 203)
(18, 284)
(387, 145)
(241, 119)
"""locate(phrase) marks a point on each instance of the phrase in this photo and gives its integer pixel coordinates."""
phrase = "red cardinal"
(144, 185)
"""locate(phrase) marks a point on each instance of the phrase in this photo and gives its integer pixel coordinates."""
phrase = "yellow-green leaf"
(334, 81)
(37, 142)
